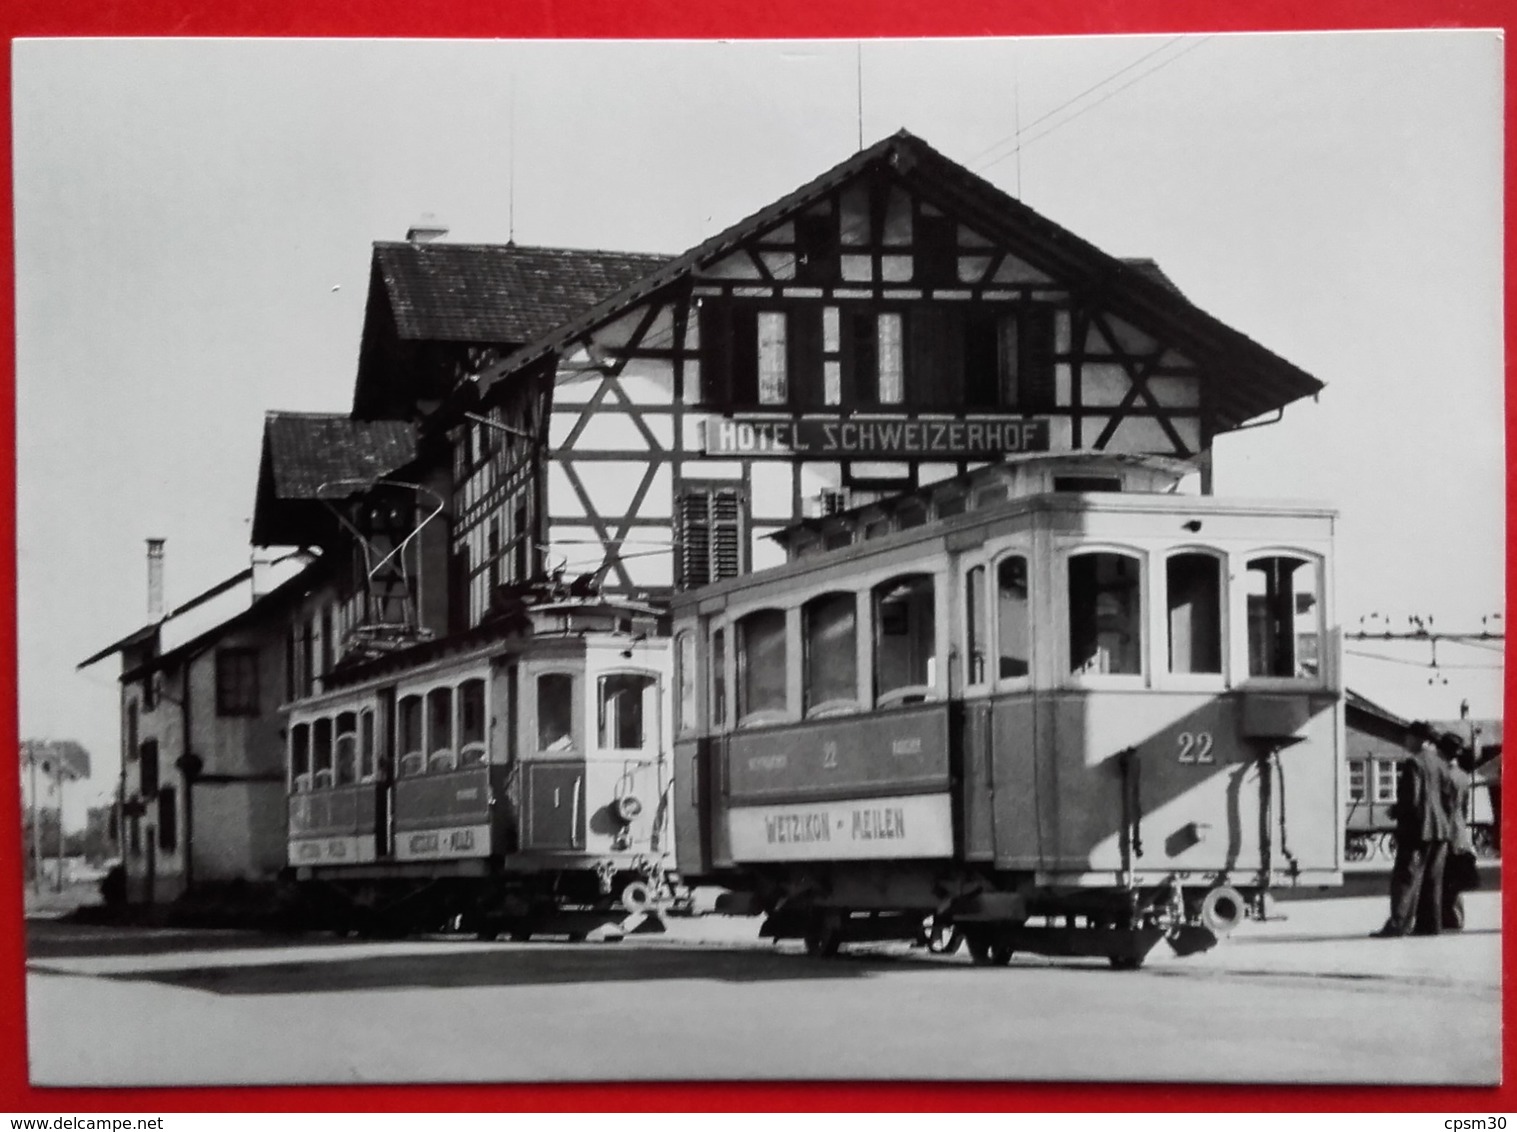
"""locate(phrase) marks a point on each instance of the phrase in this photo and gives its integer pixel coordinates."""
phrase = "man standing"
(1424, 827)
(1459, 874)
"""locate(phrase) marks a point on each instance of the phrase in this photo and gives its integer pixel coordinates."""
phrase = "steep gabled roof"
(305, 451)
(487, 293)
(1255, 381)
(308, 457)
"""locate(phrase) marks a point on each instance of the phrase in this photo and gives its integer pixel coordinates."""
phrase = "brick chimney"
(154, 579)
(426, 230)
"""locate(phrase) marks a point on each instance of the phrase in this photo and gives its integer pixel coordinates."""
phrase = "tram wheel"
(983, 952)
(944, 940)
(824, 936)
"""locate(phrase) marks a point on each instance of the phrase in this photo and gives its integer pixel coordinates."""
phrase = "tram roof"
(1262, 383)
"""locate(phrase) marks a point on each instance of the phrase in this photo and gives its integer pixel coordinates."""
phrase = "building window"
(1358, 785)
(621, 713)
(711, 536)
(1282, 617)
(130, 744)
(440, 753)
(905, 640)
(471, 723)
(168, 820)
(830, 634)
(1105, 615)
(891, 376)
(236, 681)
(975, 636)
(1385, 780)
(773, 378)
(937, 250)
(555, 712)
(150, 691)
(1013, 618)
(300, 758)
(1194, 582)
(761, 666)
(684, 682)
(147, 767)
(328, 643)
(345, 772)
(413, 759)
(1009, 359)
(134, 836)
(816, 247)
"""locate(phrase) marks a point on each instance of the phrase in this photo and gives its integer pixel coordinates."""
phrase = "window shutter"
(710, 535)
(726, 534)
(694, 540)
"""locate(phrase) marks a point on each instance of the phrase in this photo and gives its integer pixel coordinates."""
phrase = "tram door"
(977, 731)
(554, 771)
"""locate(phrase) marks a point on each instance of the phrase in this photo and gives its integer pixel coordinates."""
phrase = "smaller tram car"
(519, 784)
(1050, 705)
(1370, 825)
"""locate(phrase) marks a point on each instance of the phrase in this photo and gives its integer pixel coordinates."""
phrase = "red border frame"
(585, 19)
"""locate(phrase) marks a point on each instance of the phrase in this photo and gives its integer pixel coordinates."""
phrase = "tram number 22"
(1195, 747)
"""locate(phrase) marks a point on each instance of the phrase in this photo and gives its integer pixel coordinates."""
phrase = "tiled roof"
(307, 450)
(498, 293)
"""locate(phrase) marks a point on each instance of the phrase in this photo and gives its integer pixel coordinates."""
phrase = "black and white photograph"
(809, 560)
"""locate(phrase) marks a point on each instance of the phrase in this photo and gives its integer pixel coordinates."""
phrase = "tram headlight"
(627, 807)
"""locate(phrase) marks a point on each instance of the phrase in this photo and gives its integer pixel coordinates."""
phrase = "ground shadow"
(49, 939)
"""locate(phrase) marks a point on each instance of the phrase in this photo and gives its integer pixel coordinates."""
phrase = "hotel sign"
(979, 438)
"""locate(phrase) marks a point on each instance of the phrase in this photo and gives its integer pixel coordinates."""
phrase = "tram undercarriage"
(994, 913)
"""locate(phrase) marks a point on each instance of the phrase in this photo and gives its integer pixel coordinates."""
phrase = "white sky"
(194, 218)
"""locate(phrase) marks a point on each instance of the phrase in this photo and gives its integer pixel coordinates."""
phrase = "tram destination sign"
(987, 438)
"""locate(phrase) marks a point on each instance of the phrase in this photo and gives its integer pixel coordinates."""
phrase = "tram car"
(1370, 825)
(1051, 705)
(518, 784)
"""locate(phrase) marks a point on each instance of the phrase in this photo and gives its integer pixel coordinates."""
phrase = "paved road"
(1306, 998)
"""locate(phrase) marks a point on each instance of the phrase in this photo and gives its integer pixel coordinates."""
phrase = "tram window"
(555, 712)
(366, 745)
(684, 681)
(300, 758)
(440, 756)
(1385, 780)
(1105, 625)
(321, 758)
(622, 698)
(761, 664)
(1013, 618)
(905, 639)
(830, 628)
(346, 767)
(1194, 582)
(413, 759)
(975, 637)
(471, 723)
(718, 678)
(1358, 785)
(1283, 617)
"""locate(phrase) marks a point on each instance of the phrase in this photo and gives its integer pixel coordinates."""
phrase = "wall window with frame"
(1193, 581)
(1385, 780)
(761, 666)
(773, 373)
(147, 767)
(555, 713)
(622, 710)
(471, 724)
(1105, 614)
(829, 630)
(1013, 618)
(237, 681)
(905, 640)
(413, 759)
(1283, 616)
(711, 532)
(1358, 781)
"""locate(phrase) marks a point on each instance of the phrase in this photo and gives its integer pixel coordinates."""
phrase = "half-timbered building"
(893, 323)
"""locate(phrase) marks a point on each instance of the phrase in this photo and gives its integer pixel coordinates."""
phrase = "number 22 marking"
(1196, 747)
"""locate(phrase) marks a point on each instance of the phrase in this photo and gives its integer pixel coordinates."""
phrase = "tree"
(60, 761)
